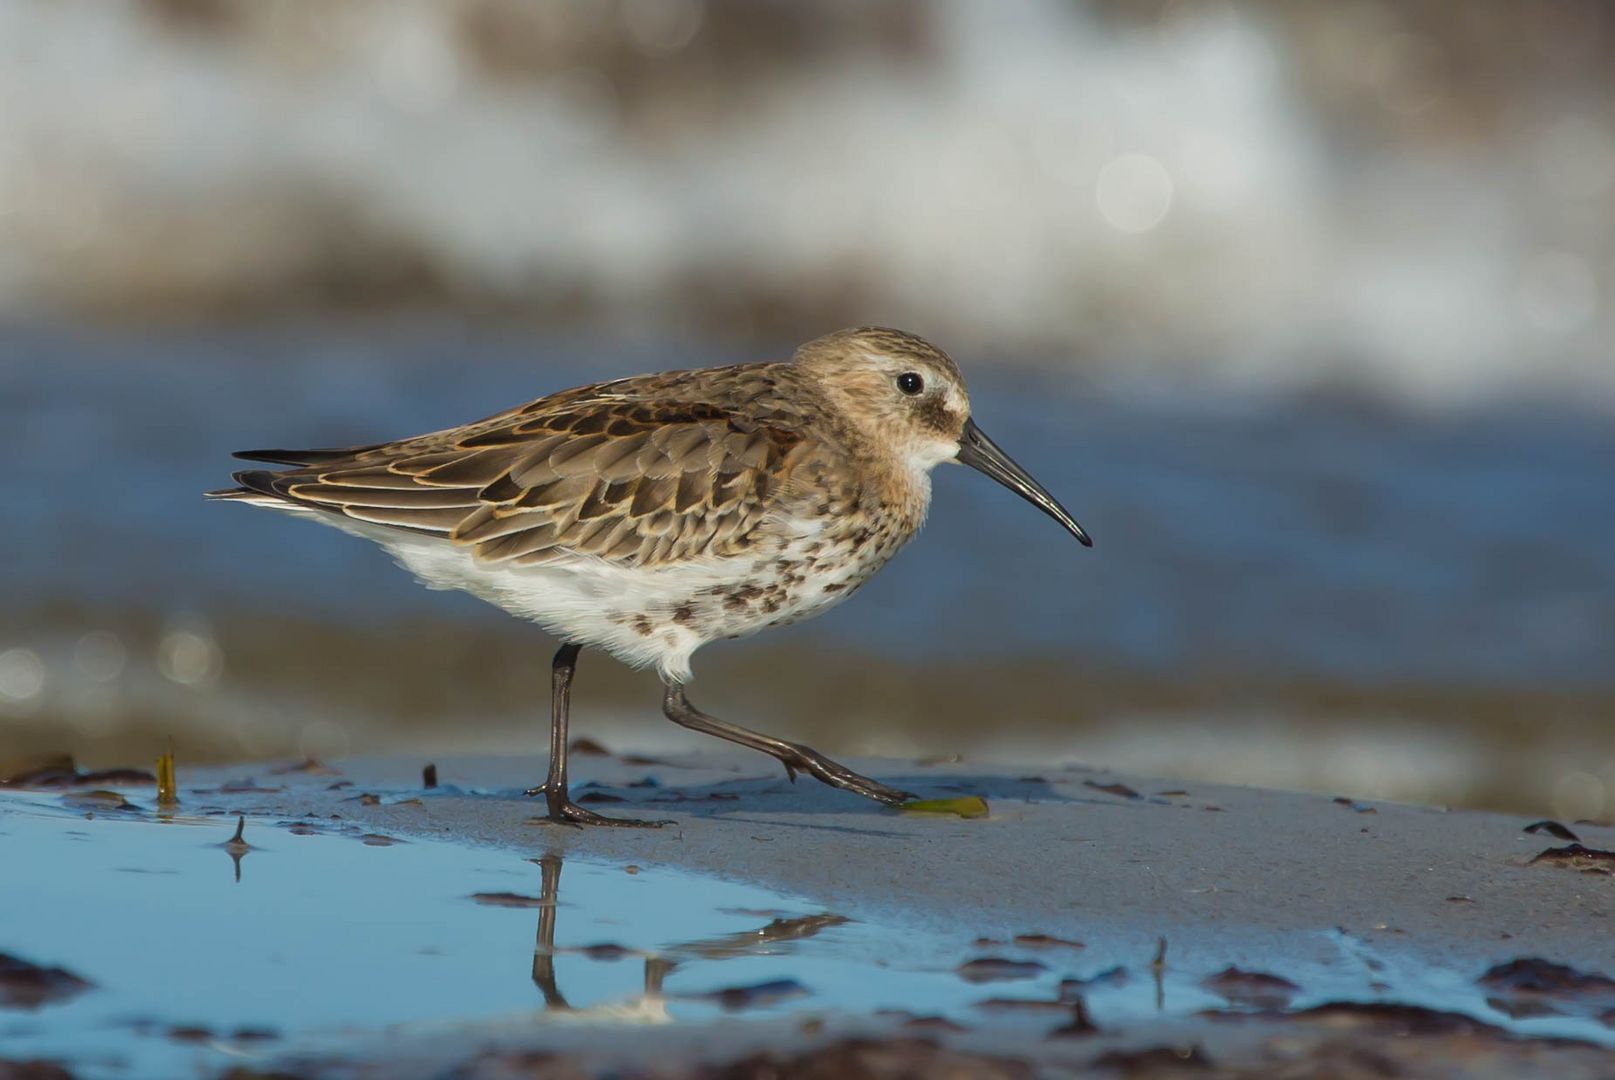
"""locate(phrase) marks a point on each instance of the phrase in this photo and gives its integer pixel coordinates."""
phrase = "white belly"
(646, 616)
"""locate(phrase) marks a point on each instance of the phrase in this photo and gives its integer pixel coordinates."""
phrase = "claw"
(566, 812)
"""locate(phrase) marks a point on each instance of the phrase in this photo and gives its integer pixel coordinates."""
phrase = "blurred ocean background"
(1306, 311)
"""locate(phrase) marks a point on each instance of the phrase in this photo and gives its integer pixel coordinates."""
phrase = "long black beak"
(981, 453)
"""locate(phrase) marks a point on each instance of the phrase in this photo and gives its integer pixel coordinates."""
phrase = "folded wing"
(600, 474)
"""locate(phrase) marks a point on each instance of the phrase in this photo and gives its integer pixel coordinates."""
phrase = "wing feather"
(638, 471)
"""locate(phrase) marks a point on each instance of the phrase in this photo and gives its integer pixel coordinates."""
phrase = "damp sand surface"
(364, 925)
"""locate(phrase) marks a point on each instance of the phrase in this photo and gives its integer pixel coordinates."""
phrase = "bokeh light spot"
(1134, 193)
(189, 658)
(22, 676)
(100, 656)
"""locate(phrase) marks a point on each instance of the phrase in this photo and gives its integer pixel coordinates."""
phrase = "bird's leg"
(562, 810)
(793, 756)
(561, 670)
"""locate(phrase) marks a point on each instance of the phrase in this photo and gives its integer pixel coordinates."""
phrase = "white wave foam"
(1207, 193)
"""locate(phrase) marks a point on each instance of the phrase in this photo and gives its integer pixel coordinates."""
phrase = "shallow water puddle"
(328, 935)
(142, 945)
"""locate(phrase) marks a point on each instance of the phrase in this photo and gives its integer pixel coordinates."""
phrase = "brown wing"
(613, 470)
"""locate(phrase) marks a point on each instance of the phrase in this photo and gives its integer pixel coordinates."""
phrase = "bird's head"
(904, 393)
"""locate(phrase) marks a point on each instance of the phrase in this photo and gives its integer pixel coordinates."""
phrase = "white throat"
(925, 456)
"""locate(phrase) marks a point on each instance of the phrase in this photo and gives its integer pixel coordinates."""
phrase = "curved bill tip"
(983, 455)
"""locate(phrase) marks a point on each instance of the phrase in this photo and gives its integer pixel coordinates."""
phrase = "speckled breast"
(807, 572)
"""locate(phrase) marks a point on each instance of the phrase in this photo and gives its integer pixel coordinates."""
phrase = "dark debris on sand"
(33, 1070)
(1552, 828)
(850, 1059)
(506, 899)
(60, 771)
(872, 1059)
(1577, 857)
(998, 969)
(1256, 989)
(27, 986)
(1530, 986)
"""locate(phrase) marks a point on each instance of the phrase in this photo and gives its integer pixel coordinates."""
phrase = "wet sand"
(1056, 854)
(1380, 938)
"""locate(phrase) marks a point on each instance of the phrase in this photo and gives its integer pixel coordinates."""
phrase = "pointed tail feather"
(256, 484)
(303, 457)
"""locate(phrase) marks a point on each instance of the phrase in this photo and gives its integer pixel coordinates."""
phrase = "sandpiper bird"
(648, 516)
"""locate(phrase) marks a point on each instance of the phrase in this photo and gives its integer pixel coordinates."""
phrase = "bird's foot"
(563, 811)
(838, 775)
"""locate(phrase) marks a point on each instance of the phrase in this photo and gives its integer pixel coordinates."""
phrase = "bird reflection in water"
(650, 1005)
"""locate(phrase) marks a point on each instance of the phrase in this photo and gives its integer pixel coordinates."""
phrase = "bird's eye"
(910, 382)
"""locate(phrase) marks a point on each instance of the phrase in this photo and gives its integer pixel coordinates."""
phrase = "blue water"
(326, 938)
(318, 939)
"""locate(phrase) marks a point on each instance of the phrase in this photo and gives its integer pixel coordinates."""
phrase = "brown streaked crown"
(858, 370)
(881, 341)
